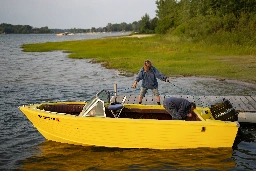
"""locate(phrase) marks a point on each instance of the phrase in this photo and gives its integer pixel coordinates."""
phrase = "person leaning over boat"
(149, 74)
(179, 108)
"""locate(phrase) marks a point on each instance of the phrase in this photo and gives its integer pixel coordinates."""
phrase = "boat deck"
(245, 105)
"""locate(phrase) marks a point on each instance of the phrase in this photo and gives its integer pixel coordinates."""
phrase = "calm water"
(34, 77)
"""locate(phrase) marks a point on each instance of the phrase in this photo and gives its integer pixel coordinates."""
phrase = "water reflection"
(52, 155)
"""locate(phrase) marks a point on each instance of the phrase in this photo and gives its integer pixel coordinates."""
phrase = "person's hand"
(167, 80)
(134, 84)
(189, 115)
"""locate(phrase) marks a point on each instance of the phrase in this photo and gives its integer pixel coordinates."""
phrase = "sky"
(66, 14)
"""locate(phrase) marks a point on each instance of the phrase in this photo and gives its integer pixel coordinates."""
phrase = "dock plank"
(251, 103)
(237, 103)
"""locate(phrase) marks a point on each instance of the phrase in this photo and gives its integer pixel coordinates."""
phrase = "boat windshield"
(95, 106)
(90, 103)
(104, 95)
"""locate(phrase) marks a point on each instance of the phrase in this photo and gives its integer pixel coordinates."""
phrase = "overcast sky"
(67, 14)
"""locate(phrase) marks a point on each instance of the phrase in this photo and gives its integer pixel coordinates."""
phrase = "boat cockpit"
(102, 105)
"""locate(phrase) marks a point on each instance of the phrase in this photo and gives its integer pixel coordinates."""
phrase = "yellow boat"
(100, 122)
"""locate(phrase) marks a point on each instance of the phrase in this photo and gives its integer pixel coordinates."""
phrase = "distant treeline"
(26, 29)
(135, 26)
(145, 25)
(22, 29)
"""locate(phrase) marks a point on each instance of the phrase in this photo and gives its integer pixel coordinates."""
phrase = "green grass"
(171, 55)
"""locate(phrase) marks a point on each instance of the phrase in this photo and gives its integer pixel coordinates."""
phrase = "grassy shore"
(171, 55)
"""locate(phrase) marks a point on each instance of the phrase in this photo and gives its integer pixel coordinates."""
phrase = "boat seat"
(116, 109)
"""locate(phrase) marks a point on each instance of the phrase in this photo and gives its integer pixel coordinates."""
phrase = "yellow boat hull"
(131, 133)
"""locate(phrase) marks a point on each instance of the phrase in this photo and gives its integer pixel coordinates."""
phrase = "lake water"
(34, 77)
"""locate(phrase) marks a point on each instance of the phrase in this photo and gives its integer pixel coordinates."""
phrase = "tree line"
(110, 28)
(135, 26)
(22, 29)
(27, 29)
(145, 25)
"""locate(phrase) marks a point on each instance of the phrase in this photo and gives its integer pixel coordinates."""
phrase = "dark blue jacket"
(149, 79)
(182, 106)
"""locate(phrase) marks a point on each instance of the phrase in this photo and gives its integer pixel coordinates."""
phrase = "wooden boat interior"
(127, 112)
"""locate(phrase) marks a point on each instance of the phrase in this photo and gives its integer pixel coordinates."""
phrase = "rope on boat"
(123, 90)
(189, 93)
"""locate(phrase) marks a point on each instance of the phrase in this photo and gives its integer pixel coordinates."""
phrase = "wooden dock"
(245, 105)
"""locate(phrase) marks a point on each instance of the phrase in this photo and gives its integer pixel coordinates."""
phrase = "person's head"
(192, 106)
(147, 65)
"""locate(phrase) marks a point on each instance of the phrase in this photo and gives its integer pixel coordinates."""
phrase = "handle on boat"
(115, 91)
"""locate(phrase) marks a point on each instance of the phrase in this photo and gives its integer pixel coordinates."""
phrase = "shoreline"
(129, 74)
(174, 59)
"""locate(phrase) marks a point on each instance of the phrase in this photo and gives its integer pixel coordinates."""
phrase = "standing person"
(179, 108)
(149, 74)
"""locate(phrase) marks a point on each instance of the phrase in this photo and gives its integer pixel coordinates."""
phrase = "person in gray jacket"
(179, 108)
(149, 74)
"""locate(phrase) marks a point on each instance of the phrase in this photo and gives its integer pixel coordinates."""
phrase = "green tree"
(167, 14)
(153, 24)
(145, 24)
(123, 26)
(135, 26)
(109, 27)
